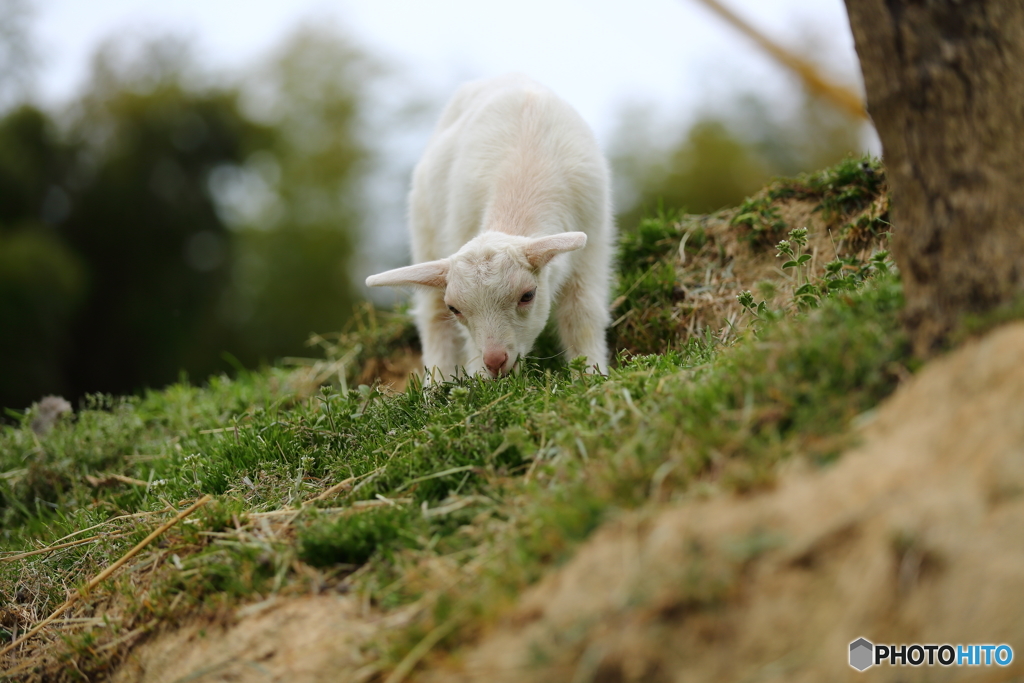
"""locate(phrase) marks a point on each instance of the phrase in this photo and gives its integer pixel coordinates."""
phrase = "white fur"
(511, 194)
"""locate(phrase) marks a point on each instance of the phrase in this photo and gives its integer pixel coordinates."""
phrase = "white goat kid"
(510, 215)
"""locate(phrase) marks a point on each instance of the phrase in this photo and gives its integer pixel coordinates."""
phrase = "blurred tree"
(297, 206)
(33, 162)
(170, 221)
(725, 155)
(41, 279)
(143, 219)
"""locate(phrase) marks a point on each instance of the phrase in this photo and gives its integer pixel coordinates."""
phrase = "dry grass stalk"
(116, 519)
(421, 649)
(59, 546)
(112, 480)
(341, 486)
(99, 578)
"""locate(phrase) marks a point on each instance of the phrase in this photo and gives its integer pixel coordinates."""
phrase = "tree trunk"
(945, 88)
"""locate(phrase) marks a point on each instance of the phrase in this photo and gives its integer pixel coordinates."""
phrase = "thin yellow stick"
(59, 546)
(107, 572)
(114, 519)
(842, 97)
(337, 488)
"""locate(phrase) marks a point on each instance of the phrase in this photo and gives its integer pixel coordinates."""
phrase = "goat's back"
(507, 155)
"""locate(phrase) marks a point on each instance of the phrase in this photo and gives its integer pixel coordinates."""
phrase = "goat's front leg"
(439, 334)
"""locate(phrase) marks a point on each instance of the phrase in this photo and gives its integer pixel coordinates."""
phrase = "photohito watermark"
(864, 654)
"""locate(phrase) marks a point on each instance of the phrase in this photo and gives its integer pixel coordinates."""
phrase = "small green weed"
(762, 217)
(844, 274)
(805, 294)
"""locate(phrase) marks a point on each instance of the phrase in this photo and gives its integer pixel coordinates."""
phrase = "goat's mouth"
(504, 371)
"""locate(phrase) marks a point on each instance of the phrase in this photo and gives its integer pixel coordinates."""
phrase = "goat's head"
(498, 287)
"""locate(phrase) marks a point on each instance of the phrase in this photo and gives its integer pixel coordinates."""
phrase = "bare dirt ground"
(310, 639)
(914, 536)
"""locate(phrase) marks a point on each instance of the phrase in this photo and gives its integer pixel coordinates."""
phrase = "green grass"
(761, 216)
(453, 458)
(846, 194)
(350, 489)
(647, 283)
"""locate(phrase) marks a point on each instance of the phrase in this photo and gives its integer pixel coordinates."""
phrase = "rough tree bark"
(945, 88)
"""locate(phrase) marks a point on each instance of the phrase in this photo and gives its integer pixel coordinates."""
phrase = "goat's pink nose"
(495, 360)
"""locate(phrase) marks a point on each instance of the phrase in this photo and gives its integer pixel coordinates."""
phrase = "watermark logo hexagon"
(861, 654)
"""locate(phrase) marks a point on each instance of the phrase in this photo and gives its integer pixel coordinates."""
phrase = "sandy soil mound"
(917, 536)
(304, 640)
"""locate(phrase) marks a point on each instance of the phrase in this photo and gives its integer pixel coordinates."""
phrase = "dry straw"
(99, 578)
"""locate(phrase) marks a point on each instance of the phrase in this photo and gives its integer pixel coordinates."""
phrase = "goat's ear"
(427, 274)
(543, 249)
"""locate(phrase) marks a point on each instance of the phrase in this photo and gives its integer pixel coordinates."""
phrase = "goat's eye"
(454, 310)
(528, 296)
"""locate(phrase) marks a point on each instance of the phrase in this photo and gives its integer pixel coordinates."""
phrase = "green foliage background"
(729, 152)
(161, 221)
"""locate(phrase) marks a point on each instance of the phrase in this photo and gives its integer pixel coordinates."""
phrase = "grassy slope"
(500, 479)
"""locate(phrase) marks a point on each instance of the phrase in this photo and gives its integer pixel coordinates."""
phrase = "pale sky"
(597, 54)
(601, 55)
